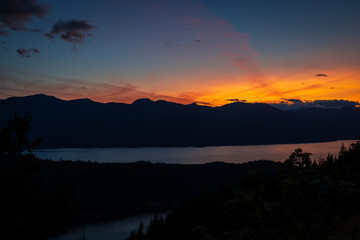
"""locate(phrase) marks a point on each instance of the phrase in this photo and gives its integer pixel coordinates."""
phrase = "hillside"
(307, 199)
(42, 198)
(85, 123)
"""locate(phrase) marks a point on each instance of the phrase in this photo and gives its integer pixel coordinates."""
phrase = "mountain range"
(85, 123)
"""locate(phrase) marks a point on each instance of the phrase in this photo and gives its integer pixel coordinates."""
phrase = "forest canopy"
(307, 199)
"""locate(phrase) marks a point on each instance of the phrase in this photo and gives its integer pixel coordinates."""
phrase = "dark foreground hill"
(41, 198)
(306, 200)
(84, 123)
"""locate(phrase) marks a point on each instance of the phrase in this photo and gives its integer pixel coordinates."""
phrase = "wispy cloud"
(185, 44)
(199, 41)
(284, 92)
(173, 45)
(195, 96)
(197, 21)
(78, 88)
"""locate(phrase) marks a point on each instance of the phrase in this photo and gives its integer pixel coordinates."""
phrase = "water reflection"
(234, 154)
(112, 230)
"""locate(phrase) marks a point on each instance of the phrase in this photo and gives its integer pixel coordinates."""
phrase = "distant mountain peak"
(84, 123)
(36, 97)
(162, 101)
(83, 100)
(142, 101)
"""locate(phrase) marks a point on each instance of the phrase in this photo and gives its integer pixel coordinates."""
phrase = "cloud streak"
(235, 100)
(197, 21)
(15, 15)
(321, 75)
(293, 100)
(283, 92)
(77, 88)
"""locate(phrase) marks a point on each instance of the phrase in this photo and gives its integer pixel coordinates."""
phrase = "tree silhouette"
(305, 200)
(14, 137)
(299, 159)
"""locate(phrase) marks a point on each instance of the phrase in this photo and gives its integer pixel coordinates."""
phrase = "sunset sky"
(206, 51)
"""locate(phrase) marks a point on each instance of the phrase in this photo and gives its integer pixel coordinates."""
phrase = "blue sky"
(185, 51)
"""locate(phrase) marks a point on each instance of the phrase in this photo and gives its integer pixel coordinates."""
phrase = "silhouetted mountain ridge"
(85, 123)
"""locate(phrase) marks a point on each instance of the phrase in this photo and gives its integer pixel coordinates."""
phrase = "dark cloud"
(292, 100)
(203, 103)
(291, 105)
(321, 75)
(199, 41)
(15, 14)
(27, 52)
(334, 103)
(74, 31)
(235, 100)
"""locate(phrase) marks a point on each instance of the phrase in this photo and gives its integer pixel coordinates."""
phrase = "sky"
(207, 51)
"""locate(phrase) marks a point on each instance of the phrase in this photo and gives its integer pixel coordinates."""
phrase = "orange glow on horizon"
(340, 84)
(214, 88)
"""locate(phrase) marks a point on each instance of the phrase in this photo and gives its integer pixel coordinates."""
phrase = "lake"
(192, 155)
(120, 229)
(112, 230)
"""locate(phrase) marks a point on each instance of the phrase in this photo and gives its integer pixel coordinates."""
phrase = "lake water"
(112, 230)
(192, 155)
(120, 229)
